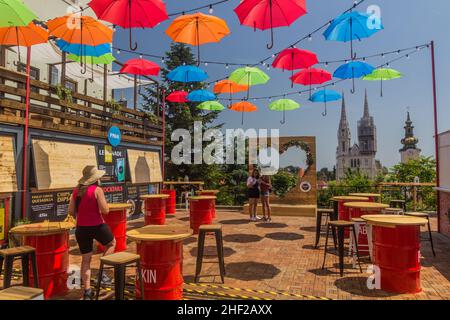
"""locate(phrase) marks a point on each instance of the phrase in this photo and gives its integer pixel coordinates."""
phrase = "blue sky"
(407, 23)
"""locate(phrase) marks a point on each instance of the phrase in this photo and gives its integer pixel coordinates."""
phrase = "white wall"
(444, 159)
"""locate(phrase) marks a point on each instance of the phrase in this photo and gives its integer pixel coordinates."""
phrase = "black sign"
(113, 160)
(114, 193)
(62, 199)
(53, 206)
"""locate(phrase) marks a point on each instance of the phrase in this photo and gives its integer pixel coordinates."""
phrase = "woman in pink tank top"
(88, 203)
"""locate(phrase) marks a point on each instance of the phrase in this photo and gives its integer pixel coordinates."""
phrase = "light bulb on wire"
(211, 10)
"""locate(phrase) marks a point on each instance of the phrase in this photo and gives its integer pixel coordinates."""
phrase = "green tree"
(282, 182)
(423, 167)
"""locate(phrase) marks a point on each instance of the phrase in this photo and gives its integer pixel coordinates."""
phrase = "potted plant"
(64, 93)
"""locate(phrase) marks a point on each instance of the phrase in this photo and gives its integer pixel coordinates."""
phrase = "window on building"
(343, 146)
(359, 163)
(53, 78)
(34, 74)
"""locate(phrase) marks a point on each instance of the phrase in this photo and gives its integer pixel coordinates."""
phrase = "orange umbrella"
(83, 30)
(197, 29)
(243, 106)
(228, 86)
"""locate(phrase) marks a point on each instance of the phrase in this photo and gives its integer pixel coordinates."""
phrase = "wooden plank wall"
(8, 176)
(145, 166)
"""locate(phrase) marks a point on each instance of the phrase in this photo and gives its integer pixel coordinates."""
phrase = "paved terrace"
(278, 260)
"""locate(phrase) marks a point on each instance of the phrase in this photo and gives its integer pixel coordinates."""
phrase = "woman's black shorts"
(85, 236)
(253, 193)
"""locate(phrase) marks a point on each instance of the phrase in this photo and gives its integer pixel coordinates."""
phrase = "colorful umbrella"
(187, 74)
(283, 105)
(104, 59)
(383, 74)
(351, 26)
(293, 58)
(130, 13)
(248, 76)
(201, 95)
(352, 70)
(197, 29)
(227, 86)
(81, 50)
(243, 106)
(211, 106)
(14, 13)
(325, 96)
(265, 14)
(140, 67)
(310, 76)
(178, 96)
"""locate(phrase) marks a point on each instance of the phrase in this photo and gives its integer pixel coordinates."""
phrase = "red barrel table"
(372, 196)
(155, 208)
(171, 202)
(396, 251)
(200, 211)
(51, 241)
(209, 193)
(116, 219)
(341, 212)
(161, 250)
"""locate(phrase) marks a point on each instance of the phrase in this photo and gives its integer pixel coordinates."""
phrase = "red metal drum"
(161, 252)
(155, 208)
(116, 219)
(361, 234)
(210, 193)
(372, 196)
(200, 211)
(343, 211)
(171, 201)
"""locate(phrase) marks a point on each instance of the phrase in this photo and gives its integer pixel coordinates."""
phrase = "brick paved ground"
(280, 256)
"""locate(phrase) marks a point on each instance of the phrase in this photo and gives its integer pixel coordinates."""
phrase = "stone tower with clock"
(409, 150)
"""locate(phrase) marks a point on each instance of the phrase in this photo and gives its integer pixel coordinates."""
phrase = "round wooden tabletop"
(357, 194)
(208, 191)
(349, 198)
(195, 198)
(42, 228)
(366, 205)
(119, 206)
(155, 196)
(393, 220)
(160, 233)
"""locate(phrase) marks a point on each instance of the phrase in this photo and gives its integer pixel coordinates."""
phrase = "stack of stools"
(203, 230)
(25, 253)
(340, 225)
(120, 261)
(425, 216)
(320, 213)
(361, 243)
(22, 293)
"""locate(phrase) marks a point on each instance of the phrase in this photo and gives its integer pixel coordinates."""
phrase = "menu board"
(113, 160)
(42, 206)
(62, 204)
(114, 193)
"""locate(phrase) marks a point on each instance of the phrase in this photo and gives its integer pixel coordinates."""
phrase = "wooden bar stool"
(203, 230)
(22, 293)
(120, 261)
(25, 253)
(320, 213)
(426, 216)
(341, 225)
(398, 204)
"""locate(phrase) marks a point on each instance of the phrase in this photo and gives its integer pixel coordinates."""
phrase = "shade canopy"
(15, 13)
(187, 74)
(211, 106)
(201, 95)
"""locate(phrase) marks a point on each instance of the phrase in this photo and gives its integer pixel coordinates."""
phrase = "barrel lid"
(160, 232)
(118, 206)
(42, 228)
(207, 191)
(202, 198)
(366, 205)
(349, 198)
(155, 196)
(393, 220)
(363, 194)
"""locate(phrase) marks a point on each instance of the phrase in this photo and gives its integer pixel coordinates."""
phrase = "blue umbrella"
(352, 70)
(353, 26)
(83, 50)
(187, 74)
(201, 96)
(325, 96)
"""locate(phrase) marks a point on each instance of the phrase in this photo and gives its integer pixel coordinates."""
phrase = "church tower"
(367, 132)
(409, 142)
(344, 141)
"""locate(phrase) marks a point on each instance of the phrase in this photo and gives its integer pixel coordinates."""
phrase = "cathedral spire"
(343, 111)
(366, 106)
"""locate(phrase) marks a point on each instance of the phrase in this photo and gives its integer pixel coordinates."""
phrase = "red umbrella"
(311, 76)
(130, 13)
(140, 67)
(265, 14)
(178, 96)
(293, 58)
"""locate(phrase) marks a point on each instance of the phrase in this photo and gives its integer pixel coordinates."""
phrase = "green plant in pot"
(114, 106)
(151, 117)
(64, 93)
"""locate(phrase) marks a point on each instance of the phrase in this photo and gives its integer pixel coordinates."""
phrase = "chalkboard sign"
(113, 160)
(42, 206)
(114, 193)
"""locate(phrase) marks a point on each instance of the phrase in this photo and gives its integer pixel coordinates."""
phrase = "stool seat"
(120, 258)
(417, 214)
(358, 220)
(325, 210)
(25, 254)
(16, 251)
(341, 223)
(210, 227)
(21, 293)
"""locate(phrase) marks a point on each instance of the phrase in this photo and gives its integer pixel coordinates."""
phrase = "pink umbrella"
(310, 76)
(178, 96)
(293, 58)
(140, 67)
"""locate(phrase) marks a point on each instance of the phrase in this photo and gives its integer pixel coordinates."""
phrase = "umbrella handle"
(381, 92)
(242, 119)
(132, 48)
(84, 68)
(284, 117)
(270, 46)
(325, 112)
(353, 82)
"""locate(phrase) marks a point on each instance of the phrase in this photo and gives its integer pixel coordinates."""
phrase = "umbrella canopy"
(352, 70)
(353, 26)
(178, 96)
(104, 59)
(383, 74)
(283, 105)
(140, 67)
(227, 86)
(130, 14)
(197, 29)
(243, 106)
(187, 74)
(23, 36)
(265, 14)
(310, 76)
(89, 32)
(293, 58)
(80, 49)
(325, 96)
(201, 95)
(15, 13)
(211, 106)
(248, 76)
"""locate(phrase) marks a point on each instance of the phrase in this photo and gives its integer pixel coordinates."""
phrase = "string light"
(211, 10)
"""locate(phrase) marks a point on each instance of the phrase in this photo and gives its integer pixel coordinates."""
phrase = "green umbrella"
(383, 74)
(248, 76)
(283, 105)
(103, 59)
(15, 13)
(211, 106)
